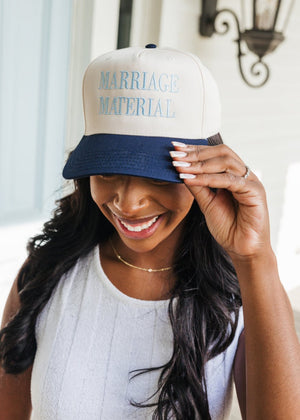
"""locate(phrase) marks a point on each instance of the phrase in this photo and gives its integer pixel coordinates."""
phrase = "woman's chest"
(85, 356)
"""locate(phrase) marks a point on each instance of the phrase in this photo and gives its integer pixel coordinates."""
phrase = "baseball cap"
(136, 102)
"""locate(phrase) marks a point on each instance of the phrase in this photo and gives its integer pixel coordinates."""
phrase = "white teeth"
(139, 228)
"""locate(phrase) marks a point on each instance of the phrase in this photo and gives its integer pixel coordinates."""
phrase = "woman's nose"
(131, 196)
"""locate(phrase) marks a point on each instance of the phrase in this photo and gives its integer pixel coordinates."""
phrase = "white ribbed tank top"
(90, 335)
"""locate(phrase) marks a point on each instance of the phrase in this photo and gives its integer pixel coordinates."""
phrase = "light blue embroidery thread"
(140, 105)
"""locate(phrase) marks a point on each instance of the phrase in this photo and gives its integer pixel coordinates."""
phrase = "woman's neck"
(133, 281)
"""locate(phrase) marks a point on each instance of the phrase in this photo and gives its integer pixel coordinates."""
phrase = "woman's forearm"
(272, 347)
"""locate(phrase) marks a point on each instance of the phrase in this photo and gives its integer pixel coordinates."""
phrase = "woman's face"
(144, 212)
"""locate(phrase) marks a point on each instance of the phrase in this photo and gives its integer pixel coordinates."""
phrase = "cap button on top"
(150, 46)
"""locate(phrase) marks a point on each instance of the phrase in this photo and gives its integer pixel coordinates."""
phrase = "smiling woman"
(142, 209)
(148, 218)
(155, 282)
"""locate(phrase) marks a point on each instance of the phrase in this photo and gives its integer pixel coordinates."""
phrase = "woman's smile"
(138, 228)
(141, 209)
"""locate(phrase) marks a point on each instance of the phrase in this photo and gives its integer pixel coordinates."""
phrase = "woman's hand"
(236, 211)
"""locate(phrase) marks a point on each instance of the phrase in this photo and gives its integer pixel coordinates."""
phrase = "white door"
(34, 58)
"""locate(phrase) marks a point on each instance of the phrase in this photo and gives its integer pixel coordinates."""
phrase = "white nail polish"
(177, 143)
(187, 176)
(183, 164)
(178, 154)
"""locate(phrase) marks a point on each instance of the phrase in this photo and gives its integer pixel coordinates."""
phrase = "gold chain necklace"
(149, 270)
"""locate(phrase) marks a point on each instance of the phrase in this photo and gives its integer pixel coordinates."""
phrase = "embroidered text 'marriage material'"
(163, 86)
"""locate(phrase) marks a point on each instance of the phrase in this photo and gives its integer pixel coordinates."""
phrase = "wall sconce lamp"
(268, 19)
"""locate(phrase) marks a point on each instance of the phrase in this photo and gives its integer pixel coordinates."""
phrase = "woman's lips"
(138, 228)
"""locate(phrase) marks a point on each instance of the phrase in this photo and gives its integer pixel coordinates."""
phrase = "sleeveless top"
(90, 336)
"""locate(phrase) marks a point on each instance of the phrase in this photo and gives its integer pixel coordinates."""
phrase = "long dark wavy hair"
(203, 320)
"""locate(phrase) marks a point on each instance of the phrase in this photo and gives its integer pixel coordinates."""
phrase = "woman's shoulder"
(12, 304)
(79, 269)
(67, 292)
(14, 389)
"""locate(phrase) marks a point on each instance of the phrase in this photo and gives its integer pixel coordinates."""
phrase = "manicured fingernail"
(187, 176)
(177, 154)
(177, 143)
(184, 164)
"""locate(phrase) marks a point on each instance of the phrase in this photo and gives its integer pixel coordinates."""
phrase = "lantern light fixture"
(268, 18)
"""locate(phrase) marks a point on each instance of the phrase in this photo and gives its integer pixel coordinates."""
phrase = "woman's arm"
(271, 344)
(15, 400)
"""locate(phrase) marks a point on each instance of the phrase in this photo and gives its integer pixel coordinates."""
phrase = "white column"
(145, 23)
(105, 26)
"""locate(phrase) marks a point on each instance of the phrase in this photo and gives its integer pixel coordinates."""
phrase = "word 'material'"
(163, 86)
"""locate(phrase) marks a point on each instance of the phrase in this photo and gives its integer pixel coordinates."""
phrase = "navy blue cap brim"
(142, 156)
